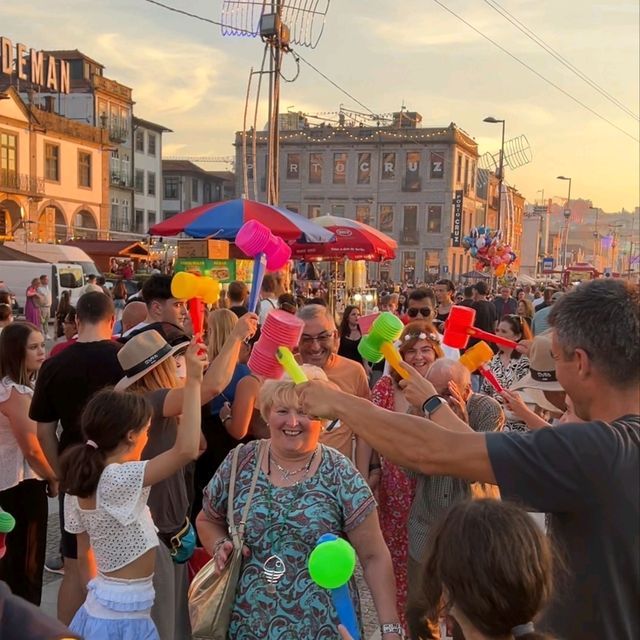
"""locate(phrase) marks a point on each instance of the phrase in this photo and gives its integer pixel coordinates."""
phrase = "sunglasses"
(424, 311)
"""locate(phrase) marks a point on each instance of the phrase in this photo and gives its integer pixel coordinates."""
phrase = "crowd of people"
(474, 513)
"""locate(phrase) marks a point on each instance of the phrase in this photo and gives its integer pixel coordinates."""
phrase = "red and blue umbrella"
(223, 221)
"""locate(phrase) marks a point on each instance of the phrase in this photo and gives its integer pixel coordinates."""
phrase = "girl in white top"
(24, 470)
(106, 505)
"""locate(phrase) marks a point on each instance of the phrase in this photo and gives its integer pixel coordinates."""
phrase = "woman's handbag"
(212, 594)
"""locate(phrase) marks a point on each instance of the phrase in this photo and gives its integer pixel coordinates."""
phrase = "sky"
(186, 76)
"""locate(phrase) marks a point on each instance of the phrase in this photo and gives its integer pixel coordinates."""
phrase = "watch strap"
(433, 403)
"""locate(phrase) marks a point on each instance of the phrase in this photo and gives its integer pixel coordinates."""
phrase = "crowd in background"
(136, 428)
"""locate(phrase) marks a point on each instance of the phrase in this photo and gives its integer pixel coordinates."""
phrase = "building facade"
(147, 174)
(186, 185)
(54, 174)
(418, 185)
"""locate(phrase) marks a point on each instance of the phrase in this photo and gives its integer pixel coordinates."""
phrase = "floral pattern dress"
(288, 521)
(507, 375)
(395, 497)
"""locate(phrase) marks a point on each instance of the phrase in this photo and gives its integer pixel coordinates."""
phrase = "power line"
(296, 55)
(559, 57)
(530, 68)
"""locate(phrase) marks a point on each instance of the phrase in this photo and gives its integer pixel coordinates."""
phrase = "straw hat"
(537, 397)
(142, 353)
(542, 367)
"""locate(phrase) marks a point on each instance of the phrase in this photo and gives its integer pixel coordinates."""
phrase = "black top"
(486, 317)
(349, 349)
(586, 477)
(505, 307)
(67, 381)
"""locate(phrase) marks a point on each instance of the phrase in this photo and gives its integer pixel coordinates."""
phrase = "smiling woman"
(305, 490)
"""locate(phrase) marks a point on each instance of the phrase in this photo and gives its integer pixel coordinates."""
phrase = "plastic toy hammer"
(288, 363)
(458, 328)
(269, 252)
(378, 343)
(7, 523)
(475, 359)
(196, 290)
(331, 565)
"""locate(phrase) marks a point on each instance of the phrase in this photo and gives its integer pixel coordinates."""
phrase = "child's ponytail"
(105, 422)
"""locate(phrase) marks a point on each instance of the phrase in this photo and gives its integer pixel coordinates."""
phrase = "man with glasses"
(319, 346)
(420, 306)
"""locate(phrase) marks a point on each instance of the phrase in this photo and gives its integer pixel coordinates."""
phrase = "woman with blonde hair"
(303, 490)
(419, 346)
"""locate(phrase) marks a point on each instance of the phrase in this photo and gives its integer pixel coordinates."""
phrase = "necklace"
(274, 567)
(286, 474)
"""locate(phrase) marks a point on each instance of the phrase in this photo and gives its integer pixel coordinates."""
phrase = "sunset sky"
(188, 77)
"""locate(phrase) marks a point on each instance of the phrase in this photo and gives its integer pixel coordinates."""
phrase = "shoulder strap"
(237, 533)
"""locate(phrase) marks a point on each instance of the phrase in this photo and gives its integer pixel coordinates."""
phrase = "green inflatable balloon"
(331, 564)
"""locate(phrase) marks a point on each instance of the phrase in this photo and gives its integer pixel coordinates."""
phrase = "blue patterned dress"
(288, 521)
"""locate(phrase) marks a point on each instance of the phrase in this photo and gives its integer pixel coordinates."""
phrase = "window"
(437, 165)
(138, 220)
(293, 166)
(410, 224)
(434, 218)
(207, 192)
(459, 169)
(363, 213)
(337, 210)
(385, 218)
(409, 265)
(140, 140)
(52, 162)
(8, 158)
(151, 144)
(364, 168)
(314, 210)
(339, 168)
(431, 266)
(139, 183)
(152, 216)
(151, 183)
(171, 188)
(292, 207)
(84, 169)
(315, 168)
(388, 166)
(194, 189)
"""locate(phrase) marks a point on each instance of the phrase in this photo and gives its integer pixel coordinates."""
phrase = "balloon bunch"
(489, 250)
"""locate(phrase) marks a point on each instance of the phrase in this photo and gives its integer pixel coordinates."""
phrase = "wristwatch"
(392, 627)
(432, 404)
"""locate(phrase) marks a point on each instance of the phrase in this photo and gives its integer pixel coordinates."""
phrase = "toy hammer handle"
(259, 268)
(345, 610)
(289, 364)
(491, 337)
(487, 374)
(392, 356)
(196, 313)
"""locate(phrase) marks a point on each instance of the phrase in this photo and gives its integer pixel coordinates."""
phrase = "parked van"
(17, 276)
(59, 253)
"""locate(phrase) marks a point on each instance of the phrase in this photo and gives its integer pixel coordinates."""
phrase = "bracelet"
(392, 627)
(218, 543)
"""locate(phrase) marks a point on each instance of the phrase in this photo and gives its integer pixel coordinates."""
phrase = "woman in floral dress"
(419, 346)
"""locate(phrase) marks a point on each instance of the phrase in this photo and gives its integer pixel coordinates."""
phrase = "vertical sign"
(458, 201)
(412, 173)
(364, 168)
(436, 163)
(339, 168)
(388, 166)
(315, 168)
(293, 166)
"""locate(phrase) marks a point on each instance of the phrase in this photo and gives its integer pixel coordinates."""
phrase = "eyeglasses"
(322, 338)
(413, 313)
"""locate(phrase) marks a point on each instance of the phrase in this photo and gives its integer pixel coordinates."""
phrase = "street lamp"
(492, 120)
(567, 215)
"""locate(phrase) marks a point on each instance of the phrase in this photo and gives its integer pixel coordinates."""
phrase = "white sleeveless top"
(120, 528)
(13, 466)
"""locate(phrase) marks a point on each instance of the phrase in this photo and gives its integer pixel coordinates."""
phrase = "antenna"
(278, 23)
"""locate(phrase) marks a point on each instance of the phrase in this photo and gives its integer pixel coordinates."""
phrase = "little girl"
(107, 487)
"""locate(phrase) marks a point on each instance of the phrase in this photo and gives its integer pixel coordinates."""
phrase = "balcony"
(120, 224)
(118, 134)
(21, 183)
(120, 179)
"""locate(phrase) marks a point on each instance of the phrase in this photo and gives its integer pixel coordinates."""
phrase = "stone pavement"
(52, 580)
